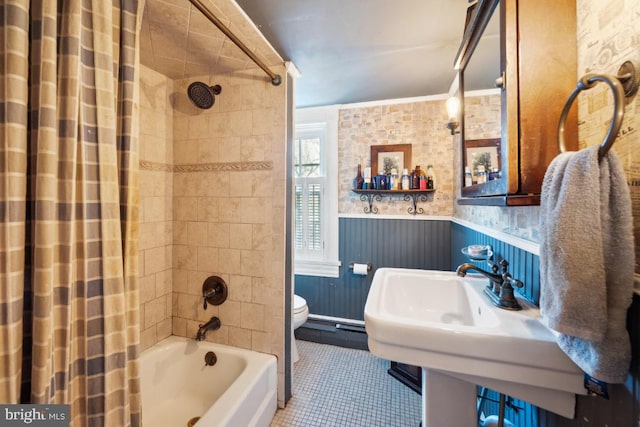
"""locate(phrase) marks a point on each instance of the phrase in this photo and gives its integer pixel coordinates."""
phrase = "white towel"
(587, 260)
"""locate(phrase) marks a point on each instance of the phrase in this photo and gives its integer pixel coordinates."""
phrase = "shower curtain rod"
(275, 78)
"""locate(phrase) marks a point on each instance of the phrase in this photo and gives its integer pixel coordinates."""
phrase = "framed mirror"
(480, 68)
(504, 46)
(482, 156)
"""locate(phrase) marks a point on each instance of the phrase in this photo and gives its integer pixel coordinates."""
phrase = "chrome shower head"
(203, 95)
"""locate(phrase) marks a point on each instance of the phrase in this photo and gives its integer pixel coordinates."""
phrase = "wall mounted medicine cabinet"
(526, 52)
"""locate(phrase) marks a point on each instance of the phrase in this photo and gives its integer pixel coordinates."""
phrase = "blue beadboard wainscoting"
(623, 406)
(431, 244)
(524, 263)
(436, 243)
(401, 243)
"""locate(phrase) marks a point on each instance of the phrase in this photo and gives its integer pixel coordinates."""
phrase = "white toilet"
(300, 314)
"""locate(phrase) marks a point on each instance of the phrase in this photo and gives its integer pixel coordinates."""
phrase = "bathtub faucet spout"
(212, 325)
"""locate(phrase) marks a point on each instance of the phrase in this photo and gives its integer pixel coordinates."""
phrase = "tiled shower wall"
(156, 194)
(213, 203)
(229, 210)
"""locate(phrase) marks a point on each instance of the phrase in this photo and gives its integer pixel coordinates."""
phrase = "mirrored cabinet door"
(514, 79)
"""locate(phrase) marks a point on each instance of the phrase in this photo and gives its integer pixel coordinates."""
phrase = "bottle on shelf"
(382, 181)
(394, 182)
(482, 175)
(415, 180)
(431, 178)
(494, 174)
(419, 175)
(422, 178)
(468, 179)
(367, 179)
(423, 182)
(358, 180)
(406, 179)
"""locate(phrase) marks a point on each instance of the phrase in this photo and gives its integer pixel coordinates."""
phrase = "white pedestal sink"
(444, 323)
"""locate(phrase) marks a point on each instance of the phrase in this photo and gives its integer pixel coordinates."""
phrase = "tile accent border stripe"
(224, 167)
(207, 167)
(154, 166)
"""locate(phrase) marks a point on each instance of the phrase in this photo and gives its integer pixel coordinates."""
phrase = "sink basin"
(444, 323)
(442, 300)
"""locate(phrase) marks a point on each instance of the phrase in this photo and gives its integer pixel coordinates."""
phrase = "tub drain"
(192, 421)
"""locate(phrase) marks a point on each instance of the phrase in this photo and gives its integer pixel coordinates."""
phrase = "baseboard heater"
(350, 325)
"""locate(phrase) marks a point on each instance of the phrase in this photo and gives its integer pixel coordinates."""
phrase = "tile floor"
(336, 386)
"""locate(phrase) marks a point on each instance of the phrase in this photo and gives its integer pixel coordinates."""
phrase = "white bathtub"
(239, 390)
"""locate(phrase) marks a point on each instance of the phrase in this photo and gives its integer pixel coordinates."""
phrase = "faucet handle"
(494, 267)
(507, 278)
(514, 282)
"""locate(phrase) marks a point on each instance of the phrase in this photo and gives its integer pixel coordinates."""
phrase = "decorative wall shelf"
(412, 196)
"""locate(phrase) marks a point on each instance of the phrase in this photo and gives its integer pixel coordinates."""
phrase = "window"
(308, 175)
(315, 190)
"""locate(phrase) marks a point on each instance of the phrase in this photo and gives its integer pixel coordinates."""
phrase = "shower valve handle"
(207, 295)
(214, 291)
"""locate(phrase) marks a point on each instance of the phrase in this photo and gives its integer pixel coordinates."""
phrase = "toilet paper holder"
(369, 266)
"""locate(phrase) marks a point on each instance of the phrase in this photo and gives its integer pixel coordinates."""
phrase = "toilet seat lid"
(299, 303)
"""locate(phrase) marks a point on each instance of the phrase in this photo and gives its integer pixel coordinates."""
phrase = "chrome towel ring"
(625, 84)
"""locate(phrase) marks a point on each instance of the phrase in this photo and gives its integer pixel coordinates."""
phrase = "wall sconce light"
(453, 108)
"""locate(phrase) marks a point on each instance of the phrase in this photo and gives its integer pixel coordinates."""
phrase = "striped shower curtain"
(69, 322)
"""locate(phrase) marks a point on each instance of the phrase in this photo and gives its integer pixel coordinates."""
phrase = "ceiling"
(346, 50)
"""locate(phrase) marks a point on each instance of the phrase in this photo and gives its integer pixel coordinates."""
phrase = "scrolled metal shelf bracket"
(414, 198)
(369, 198)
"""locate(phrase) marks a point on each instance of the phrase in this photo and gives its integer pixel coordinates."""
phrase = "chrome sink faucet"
(500, 287)
(212, 325)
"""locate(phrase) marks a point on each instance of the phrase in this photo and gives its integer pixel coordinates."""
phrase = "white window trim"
(329, 266)
(306, 253)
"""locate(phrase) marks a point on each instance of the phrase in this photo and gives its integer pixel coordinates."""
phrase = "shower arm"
(275, 78)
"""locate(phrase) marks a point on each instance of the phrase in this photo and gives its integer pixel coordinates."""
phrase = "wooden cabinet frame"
(539, 64)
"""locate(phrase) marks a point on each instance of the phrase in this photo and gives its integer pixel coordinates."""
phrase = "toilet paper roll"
(360, 269)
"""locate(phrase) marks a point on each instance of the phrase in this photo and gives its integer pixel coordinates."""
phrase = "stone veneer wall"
(483, 120)
(418, 123)
(229, 211)
(156, 192)
(482, 115)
